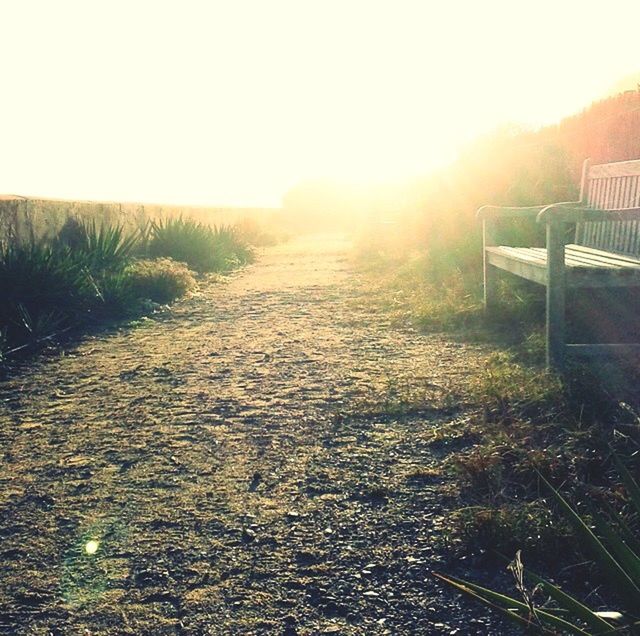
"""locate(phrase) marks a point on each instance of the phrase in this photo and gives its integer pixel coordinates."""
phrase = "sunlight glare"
(234, 102)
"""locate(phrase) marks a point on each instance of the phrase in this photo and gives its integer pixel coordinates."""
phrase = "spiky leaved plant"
(615, 549)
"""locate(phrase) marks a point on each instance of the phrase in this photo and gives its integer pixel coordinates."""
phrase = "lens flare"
(91, 547)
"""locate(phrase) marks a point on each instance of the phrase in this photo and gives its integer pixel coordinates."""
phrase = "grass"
(435, 291)
(529, 422)
(510, 390)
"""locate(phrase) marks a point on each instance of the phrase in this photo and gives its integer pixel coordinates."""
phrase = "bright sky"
(233, 101)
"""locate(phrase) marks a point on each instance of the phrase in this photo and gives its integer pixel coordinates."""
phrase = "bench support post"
(556, 295)
(489, 271)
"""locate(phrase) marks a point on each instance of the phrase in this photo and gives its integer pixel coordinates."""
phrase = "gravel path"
(247, 464)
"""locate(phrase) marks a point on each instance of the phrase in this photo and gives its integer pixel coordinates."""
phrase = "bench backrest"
(615, 187)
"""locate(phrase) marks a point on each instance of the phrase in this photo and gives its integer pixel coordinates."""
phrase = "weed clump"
(531, 423)
(161, 280)
(509, 390)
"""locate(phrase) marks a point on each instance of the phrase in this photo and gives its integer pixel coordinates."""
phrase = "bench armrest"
(571, 212)
(487, 212)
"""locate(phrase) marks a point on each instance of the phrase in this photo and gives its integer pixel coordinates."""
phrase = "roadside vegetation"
(528, 427)
(89, 273)
(533, 434)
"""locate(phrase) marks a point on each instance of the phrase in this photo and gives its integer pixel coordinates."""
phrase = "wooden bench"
(605, 251)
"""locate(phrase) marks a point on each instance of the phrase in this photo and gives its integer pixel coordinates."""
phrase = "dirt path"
(246, 465)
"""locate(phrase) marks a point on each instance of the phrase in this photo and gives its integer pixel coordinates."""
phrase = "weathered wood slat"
(628, 198)
(575, 256)
(599, 193)
(579, 258)
(617, 169)
(614, 236)
(531, 263)
(534, 271)
(623, 258)
(626, 237)
(633, 242)
(524, 253)
(573, 259)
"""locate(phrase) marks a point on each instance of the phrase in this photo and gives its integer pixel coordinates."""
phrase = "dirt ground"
(244, 463)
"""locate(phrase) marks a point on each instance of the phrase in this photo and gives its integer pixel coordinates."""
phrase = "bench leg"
(490, 272)
(490, 287)
(556, 297)
(556, 341)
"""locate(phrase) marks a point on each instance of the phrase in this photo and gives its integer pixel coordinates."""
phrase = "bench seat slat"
(575, 256)
(521, 253)
(584, 267)
(622, 259)
(578, 259)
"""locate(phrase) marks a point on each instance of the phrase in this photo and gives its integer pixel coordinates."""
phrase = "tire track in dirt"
(245, 463)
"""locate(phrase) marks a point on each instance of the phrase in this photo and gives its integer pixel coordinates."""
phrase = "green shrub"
(113, 296)
(202, 248)
(161, 280)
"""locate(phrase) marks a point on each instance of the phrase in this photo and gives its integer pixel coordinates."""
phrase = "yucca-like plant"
(41, 289)
(202, 248)
(50, 286)
(37, 277)
(108, 247)
(99, 248)
(615, 549)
